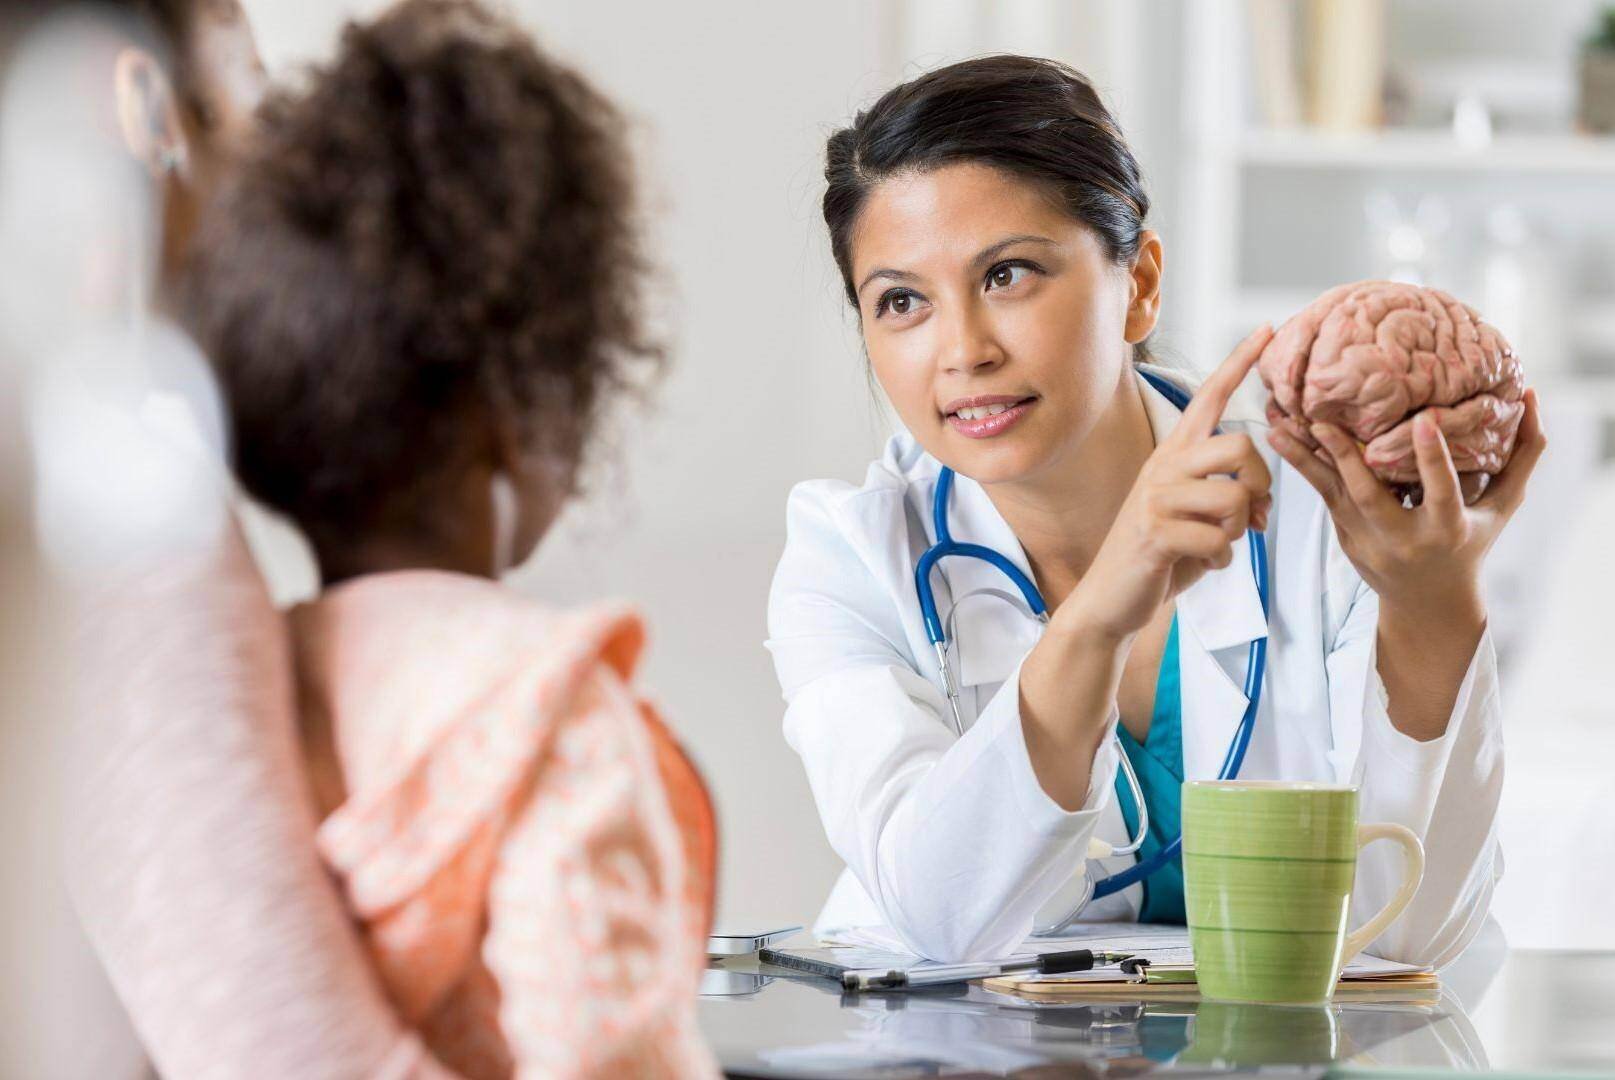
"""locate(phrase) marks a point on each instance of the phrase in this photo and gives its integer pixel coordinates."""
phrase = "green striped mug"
(1268, 868)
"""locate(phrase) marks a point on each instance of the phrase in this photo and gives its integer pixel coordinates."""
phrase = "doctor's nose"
(969, 346)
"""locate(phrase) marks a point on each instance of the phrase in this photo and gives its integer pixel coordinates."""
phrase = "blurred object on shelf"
(1522, 292)
(1471, 122)
(1273, 43)
(1597, 110)
(1519, 96)
(1345, 64)
(1408, 246)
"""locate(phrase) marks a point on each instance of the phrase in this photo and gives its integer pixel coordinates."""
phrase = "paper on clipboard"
(1164, 947)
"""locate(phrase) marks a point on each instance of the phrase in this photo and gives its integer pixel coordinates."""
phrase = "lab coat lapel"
(1218, 617)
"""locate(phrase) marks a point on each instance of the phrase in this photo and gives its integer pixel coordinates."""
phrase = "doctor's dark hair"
(429, 254)
(1038, 120)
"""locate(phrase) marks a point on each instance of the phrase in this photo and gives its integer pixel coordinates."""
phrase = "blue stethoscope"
(1256, 667)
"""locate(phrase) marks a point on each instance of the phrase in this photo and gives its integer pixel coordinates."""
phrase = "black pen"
(1054, 963)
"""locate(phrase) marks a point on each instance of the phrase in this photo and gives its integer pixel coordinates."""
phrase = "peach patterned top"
(527, 851)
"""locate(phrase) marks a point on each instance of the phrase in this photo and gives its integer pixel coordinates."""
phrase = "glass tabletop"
(1512, 1012)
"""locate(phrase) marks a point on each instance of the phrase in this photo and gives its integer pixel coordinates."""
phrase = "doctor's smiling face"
(995, 320)
(987, 220)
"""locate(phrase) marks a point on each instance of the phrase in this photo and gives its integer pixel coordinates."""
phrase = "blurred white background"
(1433, 140)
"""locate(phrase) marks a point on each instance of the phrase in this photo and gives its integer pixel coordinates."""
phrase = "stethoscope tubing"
(1255, 668)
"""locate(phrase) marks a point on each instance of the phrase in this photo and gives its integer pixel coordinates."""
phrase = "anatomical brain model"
(1371, 356)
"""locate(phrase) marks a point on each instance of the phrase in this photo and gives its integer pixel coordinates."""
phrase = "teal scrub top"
(1159, 764)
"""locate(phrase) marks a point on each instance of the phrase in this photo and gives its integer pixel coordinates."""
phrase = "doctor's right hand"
(1194, 497)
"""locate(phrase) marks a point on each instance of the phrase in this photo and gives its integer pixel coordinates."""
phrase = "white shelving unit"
(1222, 149)
(1432, 151)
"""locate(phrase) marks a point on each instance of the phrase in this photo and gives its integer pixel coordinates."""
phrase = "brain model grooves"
(1371, 356)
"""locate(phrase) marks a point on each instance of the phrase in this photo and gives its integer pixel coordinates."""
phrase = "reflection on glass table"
(1547, 1014)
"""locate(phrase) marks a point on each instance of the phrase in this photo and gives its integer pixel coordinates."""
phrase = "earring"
(506, 521)
(171, 159)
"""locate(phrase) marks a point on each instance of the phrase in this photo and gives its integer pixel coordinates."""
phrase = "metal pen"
(1054, 963)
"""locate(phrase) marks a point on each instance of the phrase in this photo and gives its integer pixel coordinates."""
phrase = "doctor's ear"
(148, 114)
(1144, 284)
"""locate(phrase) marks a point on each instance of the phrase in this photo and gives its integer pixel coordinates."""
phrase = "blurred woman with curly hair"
(420, 291)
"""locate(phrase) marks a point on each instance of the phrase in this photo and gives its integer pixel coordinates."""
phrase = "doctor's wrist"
(1424, 648)
(1090, 638)
(1441, 610)
(1080, 628)
(1067, 697)
(1433, 625)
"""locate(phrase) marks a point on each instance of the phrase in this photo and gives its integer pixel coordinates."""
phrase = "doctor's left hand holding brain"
(1423, 562)
(989, 222)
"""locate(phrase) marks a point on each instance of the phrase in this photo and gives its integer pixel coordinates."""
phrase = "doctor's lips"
(988, 415)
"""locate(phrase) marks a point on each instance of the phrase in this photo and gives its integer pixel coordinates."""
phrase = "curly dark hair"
(429, 249)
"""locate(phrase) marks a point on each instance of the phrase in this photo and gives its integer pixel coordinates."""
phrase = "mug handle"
(1412, 874)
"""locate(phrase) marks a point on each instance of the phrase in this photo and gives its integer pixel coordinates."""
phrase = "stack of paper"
(1161, 944)
(1171, 969)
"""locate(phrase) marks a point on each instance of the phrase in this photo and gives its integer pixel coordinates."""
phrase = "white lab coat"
(953, 844)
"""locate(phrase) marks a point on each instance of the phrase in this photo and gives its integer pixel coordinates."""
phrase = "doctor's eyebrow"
(989, 254)
(888, 274)
(980, 261)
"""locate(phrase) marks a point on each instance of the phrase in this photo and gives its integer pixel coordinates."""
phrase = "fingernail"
(1424, 428)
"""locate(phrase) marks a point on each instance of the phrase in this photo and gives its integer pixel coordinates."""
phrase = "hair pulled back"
(1036, 119)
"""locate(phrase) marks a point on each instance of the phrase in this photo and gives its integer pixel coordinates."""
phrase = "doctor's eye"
(898, 302)
(1010, 272)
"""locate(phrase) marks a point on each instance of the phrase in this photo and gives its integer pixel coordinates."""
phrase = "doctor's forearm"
(1422, 653)
(1067, 688)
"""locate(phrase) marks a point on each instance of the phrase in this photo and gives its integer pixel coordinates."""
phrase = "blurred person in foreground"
(160, 730)
(190, 827)
(420, 291)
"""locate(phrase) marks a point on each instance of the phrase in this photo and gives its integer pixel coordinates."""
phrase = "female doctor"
(988, 222)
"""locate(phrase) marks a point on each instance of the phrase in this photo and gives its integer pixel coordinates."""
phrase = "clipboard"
(1178, 984)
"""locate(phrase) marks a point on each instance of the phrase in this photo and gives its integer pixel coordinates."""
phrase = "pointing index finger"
(1206, 408)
